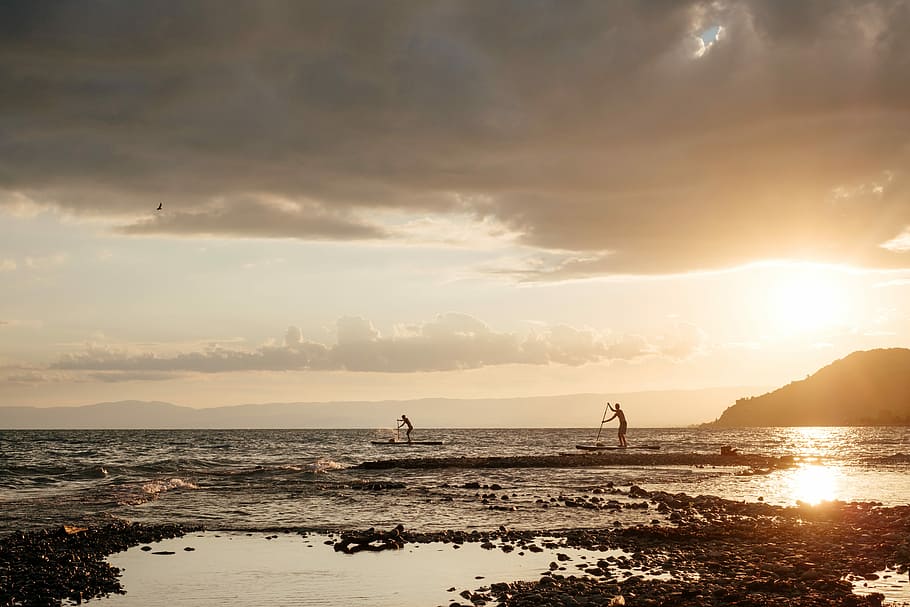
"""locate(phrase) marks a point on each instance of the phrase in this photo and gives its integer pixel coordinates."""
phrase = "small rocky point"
(50, 566)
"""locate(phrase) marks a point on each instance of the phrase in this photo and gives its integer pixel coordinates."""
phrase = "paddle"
(602, 420)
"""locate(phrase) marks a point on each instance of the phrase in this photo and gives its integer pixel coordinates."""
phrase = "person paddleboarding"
(404, 421)
(618, 412)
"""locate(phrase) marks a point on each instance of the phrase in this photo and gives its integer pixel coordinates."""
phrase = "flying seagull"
(159, 207)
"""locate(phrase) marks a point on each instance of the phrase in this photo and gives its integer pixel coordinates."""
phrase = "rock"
(637, 492)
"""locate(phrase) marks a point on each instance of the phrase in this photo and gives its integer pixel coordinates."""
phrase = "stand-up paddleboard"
(406, 443)
(599, 446)
(614, 447)
(396, 440)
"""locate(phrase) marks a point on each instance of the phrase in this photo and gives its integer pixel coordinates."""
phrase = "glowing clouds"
(451, 341)
(900, 243)
(669, 138)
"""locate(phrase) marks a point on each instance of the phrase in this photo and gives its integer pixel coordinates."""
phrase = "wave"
(319, 465)
(895, 458)
(324, 465)
(160, 486)
(152, 490)
(25, 476)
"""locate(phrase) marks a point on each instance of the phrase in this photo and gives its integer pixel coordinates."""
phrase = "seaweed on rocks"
(49, 566)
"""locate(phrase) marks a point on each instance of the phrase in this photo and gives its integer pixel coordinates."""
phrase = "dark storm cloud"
(447, 343)
(603, 129)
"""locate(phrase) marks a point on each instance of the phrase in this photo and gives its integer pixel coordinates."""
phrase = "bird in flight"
(159, 207)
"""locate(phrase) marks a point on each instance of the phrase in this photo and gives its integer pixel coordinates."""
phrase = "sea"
(305, 479)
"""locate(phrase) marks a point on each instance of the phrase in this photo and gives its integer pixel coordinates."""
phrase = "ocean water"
(267, 479)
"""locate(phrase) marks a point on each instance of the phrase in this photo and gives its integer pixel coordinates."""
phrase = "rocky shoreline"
(705, 551)
(50, 566)
(718, 553)
(582, 460)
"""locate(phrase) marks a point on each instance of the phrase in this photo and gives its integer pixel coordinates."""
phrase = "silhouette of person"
(618, 412)
(404, 421)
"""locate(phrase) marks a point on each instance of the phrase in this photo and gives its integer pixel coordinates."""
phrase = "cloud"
(900, 243)
(683, 341)
(30, 375)
(250, 217)
(34, 263)
(615, 132)
(897, 282)
(127, 376)
(27, 378)
(449, 342)
(46, 261)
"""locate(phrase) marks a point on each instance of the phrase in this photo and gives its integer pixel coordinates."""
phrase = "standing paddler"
(404, 421)
(618, 412)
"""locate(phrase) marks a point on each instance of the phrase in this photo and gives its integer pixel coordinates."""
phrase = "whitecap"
(324, 465)
(158, 487)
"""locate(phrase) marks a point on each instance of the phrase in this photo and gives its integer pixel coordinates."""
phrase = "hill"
(869, 388)
(644, 409)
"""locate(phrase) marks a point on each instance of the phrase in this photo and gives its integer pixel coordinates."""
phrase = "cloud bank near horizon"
(449, 342)
(611, 132)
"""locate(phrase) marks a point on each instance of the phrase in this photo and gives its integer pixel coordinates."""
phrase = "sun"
(807, 301)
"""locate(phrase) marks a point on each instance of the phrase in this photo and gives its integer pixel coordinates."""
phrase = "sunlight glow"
(813, 484)
(807, 302)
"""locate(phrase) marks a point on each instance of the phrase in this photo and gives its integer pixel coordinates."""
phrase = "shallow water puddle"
(290, 569)
(895, 586)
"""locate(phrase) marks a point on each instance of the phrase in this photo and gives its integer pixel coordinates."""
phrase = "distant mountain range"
(644, 409)
(863, 389)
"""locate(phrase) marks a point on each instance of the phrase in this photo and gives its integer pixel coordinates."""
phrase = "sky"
(395, 200)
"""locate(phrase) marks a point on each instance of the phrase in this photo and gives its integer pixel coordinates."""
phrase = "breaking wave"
(160, 486)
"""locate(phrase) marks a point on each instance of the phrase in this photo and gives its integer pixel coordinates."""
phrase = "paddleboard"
(406, 443)
(614, 447)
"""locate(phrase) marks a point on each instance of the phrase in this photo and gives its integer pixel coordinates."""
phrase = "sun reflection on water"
(817, 441)
(813, 484)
